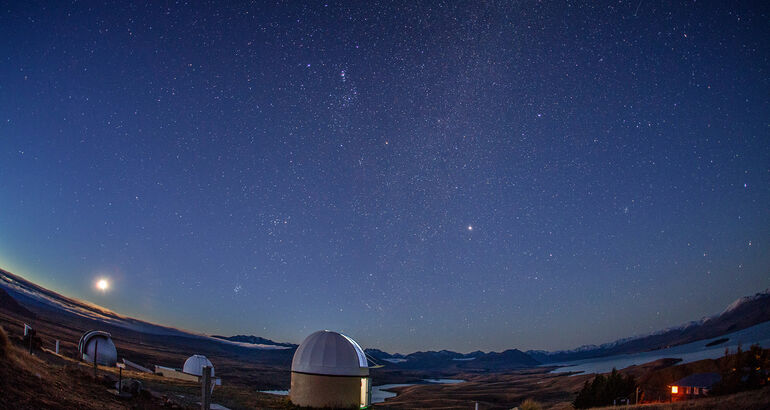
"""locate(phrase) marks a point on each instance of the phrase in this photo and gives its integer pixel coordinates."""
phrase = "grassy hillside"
(749, 400)
(28, 382)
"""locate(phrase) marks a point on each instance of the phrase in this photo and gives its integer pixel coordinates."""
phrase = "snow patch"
(746, 299)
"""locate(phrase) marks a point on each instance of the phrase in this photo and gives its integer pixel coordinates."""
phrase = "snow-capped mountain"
(446, 359)
(744, 312)
(745, 300)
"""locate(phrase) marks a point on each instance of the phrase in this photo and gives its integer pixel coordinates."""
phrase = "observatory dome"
(330, 353)
(194, 365)
(101, 342)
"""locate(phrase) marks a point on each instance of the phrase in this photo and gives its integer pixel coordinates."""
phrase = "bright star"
(470, 227)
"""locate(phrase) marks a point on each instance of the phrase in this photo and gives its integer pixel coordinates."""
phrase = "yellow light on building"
(674, 389)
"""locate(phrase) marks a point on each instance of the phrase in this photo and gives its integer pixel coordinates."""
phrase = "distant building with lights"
(694, 385)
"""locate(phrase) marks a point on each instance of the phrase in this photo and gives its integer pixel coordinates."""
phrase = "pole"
(96, 352)
(637, 395)
(206, 388)
(57, 346)
(120, 380)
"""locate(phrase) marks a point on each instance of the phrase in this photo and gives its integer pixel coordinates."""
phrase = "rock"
(131, 386)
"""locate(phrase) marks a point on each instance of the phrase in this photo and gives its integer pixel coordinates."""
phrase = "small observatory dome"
(194, 365)
(101, 342)
(330, 369)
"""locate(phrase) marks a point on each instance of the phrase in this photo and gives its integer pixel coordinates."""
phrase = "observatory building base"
(313, 390)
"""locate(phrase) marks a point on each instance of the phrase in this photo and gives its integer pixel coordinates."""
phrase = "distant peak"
(745, 299)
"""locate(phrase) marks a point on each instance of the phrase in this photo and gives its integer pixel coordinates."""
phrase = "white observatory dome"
(330, 353)
(194, 365)
(106, 353)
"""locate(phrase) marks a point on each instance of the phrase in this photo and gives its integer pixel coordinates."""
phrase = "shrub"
(744, 371)
(603, 390)
(5, 344)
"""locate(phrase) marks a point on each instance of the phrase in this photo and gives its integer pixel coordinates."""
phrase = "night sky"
(484, 175)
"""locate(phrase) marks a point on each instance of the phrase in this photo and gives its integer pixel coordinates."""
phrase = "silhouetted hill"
(10, 305)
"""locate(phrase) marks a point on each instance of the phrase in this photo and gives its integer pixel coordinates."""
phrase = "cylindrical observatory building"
(329, 369)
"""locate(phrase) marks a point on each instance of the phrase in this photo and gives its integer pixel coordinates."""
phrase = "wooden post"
(29, 333)
(96, 353)
(206, 388)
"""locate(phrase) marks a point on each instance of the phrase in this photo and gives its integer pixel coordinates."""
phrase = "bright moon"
(102, 284)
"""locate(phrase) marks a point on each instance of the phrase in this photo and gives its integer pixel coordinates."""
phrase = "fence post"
(96, 353)
(57, 346)
(206, 388)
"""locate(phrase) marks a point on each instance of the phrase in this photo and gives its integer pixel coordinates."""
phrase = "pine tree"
(603, 390)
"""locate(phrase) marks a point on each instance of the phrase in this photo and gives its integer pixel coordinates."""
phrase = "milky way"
(484, 175)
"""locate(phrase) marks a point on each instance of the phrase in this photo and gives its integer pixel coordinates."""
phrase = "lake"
(380, 393)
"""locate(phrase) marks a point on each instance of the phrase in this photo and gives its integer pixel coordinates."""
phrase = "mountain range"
(742, 313)
(21, 297)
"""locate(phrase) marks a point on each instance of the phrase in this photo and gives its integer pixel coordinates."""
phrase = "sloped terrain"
(10, 305)
(743, 313)
(28, 382)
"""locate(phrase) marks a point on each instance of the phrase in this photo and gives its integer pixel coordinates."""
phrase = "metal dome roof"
(330, 353)
(194, 365)
(106, 354)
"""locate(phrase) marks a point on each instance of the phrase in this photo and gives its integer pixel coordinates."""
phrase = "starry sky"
(419, 175)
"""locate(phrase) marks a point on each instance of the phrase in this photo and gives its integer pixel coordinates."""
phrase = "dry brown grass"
(5, 344)
(242, 380)
(492, 391)
(748, 400)
(29, 382)
(530, 404)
